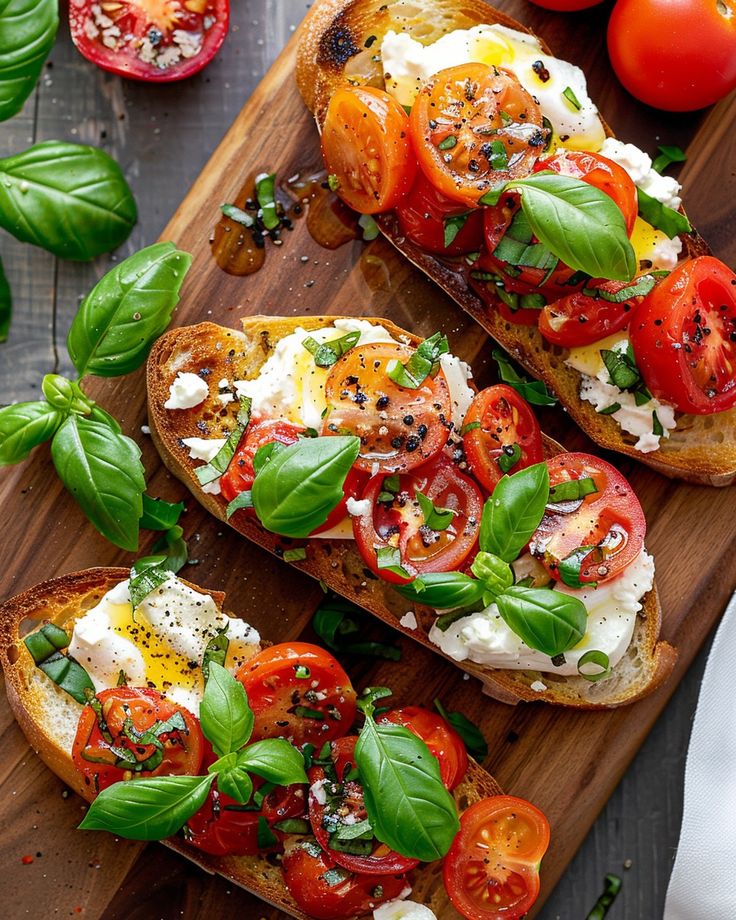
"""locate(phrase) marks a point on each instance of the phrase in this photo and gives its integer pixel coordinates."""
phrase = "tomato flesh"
(684, 337)
(298, 691)
(491, 869)
(581, 319)
(152, 40)
(422, 216)
(443, 741)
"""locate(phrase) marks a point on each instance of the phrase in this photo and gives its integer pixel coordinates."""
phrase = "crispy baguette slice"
(332, 51)
(48, 717)
(227, 353)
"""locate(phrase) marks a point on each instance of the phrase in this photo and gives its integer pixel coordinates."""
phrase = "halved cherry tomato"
(581, 319)
(399, 428)
(501, 427)
(326, 892)
(129, 720)
(345, 806)
(396, 520)
(474, 126)
(422, 215)
(298, 691)
(492, 868)
(610, 521)
(684, 337)
(153, 40)
(443, 741)
(366, 147)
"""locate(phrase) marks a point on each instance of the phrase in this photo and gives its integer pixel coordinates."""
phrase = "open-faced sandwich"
(364, 456)
(489, 167)
(261, 764)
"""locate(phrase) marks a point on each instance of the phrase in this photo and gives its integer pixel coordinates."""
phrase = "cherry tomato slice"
(474, 126)
(422, 215)
(347, 808)
(610, 521)
(104, 731)
(396, 519)
(327, 893)
(500, 428)
(443, 741)
(492, 868)
(581, 319)
(684, 337)
(298, 691)
(399, 428)
(157, 41)
(366, 147)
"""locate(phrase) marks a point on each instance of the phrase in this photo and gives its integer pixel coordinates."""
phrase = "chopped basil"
(657, 428)
(639, 288)
(533, 391)
(621, 369)
(509, 457)
(302, 672)
(369, 227)
(612, 888)
(335, 876)
(265, 193)
(569, 568)
(44, 647)
(497, 156)
(238, 215)
(422, 364)
(660, 216)
(667, 156)
(530, 256)
(295, 555)
(326, 353)
(470, 426)
(595, 657)
(293, 826)
(48, 640)
(568, 93)
(243, 500)
(389, 558)
(265, 836)
(434, 517)
(609, 410)
(221, 461)
(472, 736)
(304, 712)
(453, 225)
(448, 143)
(145, 576)
(333, 183)
(215, 650)
(572, 490)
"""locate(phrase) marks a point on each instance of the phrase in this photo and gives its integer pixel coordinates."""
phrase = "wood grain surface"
(568, 763)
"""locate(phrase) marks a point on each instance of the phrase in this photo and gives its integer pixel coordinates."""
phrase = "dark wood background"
(163, 136)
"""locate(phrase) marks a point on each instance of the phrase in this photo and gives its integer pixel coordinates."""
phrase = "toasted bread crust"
(332, 52)
(235, 355)
(62, 599)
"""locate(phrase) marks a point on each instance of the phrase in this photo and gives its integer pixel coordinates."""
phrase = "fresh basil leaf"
(265, 194)
(146, 575)
(326, 353)
(152, 808)
(243, 500)
(422, 364)
(225, 716)
(275, 760)
(476, 744)
(443, 590)
(640, 287)
(534, 255)
(45, 646)
(572, 490)
(159, 514)
(447, 143)
(46, 641)
(408, 806)
(265, 837)
(453, 225)
(24, 426)
(173, 547)
(6, 305)
(237, 784)
(667, 156)
(215, 650)
(102, 469)
(604, 902)
(434, 517)
(65, 395)
(68, 199)
(657, 428)
(547, 621)
(389, 558)
(264, 454)
(509, 457)
(595, 657)
(495, 574)
(297, 489)
(569, 94)
(569, 567)
(126, 311)
(669, 221)
(623, 372)
(513, 512)
(238, 215)
(27, 34)
(211, 471)
(533, 391)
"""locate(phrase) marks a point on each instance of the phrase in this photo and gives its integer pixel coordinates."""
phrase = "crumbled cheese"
(186, 391)
(538, 686)
(409, 620)
(358, 507)
(203, 448)
(638, 165)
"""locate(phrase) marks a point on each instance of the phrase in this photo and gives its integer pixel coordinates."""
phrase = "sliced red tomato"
(492, 868)
(298, 691)
(366, 148)
(156, 736)
(684, 337)
(329, 892)
(397, 521)
(425, 218)
(581, 319)
(399, 428)
(609, 522)
(443, 741)
(501, 436)
(153, 40)
(336, 801)
(474, 126)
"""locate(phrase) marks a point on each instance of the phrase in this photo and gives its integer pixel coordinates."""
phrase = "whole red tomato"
(676, 55)
(566, 6)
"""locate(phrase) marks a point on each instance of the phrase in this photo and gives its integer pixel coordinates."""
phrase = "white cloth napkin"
(702, 882)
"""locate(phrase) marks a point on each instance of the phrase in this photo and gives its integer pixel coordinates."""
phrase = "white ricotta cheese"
(203, 448)
(409, 620)
(357, 507)
(638, 165)
(187, 391)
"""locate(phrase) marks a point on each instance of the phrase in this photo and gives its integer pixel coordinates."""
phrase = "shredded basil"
(369, 227)
(596, 657)
(448, 143)
(295, 555)
(145, 576)
(572, 490)
(243, 500)
(434, 517)
(238, 215)
(470, 426)
(621, 369)
(667, 156)
(422, 364)
(453, 225)
(326, 353)
(610, 892)
(44, 647)
(497, 157)
(533, 391)
(657, 428)
(215, 650)
(293, 826)
(389, 558)
(660, 216)
(265, 836)
(609, 410)
(265, 193)
(569, 568)
(639, 288)
(509, 457)
(221, 461)
(568, 93)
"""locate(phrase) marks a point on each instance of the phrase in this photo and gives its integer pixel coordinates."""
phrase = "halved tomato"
(425, 214)
(443, 741)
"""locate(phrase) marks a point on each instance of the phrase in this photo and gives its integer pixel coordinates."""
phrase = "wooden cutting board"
(566, 762)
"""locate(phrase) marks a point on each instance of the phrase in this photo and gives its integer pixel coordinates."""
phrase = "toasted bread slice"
(48, 717)
(339, 44)
(227, 353)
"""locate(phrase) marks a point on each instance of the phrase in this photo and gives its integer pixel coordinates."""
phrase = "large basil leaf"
(27, 34)
(226, 717)
(147, 809)
(102, 469)
(443, 590)
(24, 426)
(513, 512)
(579, 223)
(295, 490)
(126, 311)
(6, 305)
(408, 807)
(274, 759)
(69, 199)
(548, 621)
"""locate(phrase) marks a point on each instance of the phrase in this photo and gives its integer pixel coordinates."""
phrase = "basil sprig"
(575, 221)
(325, 354)
(408, 806)
(27, 33)
(422, 364)
(153, 808)
(669, 221)
(297, 487)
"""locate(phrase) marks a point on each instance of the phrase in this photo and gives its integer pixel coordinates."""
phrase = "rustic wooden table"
(162, 136)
